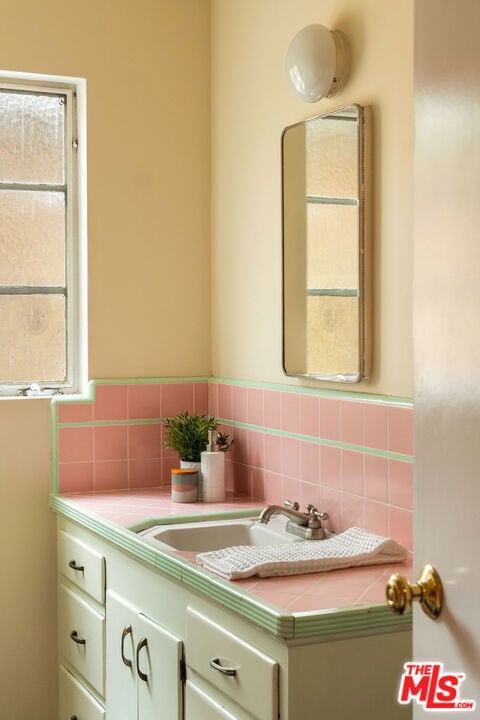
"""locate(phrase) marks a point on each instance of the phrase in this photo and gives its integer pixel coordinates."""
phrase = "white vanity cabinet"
(144, 665)
(81, 606)
(161, 648)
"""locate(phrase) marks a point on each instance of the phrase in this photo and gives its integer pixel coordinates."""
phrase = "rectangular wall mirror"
(324, 260)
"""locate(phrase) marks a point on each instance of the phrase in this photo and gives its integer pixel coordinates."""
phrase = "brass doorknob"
(428, 591)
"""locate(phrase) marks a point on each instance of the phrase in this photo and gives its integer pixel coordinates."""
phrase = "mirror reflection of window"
(323, 246)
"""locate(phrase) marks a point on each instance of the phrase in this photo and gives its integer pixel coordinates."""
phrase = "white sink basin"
(216, 534)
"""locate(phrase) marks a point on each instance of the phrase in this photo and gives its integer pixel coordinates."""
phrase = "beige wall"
(147, 70)
(251, 103)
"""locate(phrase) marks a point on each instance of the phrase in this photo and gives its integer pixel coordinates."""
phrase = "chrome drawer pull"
(142, 644)
(75, 638)
(215, 664)
(78, 568)
(126, 631)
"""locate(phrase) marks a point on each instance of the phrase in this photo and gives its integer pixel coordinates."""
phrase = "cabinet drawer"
(76, 701)
(199, 706)
(82, 643)
(82, 565)
(253, 683)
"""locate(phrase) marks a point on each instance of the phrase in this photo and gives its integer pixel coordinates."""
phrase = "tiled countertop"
(302, 604)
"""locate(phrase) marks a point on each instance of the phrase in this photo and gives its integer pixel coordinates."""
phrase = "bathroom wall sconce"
(317, 63)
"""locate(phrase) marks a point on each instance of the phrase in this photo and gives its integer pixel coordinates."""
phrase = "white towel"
(353, 547)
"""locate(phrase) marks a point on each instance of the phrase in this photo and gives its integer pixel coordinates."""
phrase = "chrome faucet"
(307, 525)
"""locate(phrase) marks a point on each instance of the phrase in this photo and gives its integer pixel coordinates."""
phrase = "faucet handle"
(292, 505)
(312, 510)
(315, 516)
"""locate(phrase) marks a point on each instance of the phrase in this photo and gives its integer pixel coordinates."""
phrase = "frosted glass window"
(33, 338)
(32, 238)
(39, 244)
(32, 130)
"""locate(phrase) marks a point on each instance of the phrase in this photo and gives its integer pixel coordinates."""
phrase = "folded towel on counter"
(353, 547)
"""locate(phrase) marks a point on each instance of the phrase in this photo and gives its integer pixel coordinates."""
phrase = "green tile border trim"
(341, 394)
(319, 441)
(342, 620)
(321, 392)
(265, 615)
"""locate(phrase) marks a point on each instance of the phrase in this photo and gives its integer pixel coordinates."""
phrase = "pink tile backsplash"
(77, 477)
(330, 419)
(271, 409)
(290, 408)
(400, 430)
(144, 441)
(376, 517)
(376, 477)
(255, 406)
(200, 398)
(310, 462)
(291, 457)
(351, 422)
(352, 472)
(111, 475)
(376, 426)
(273, 453)
(400, 484)
(75, 444)
(345, 455)
(400, 526)
(224, 401)
(145, 472)
(309, 415)
(353, 511)
(110, 442)
(330, 466)
(240, 404)
(111, 402)
(144, 401)
(332, 504)
(80, 412)
(176, 398)
(256, 449)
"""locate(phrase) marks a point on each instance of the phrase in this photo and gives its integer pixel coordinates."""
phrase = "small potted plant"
(187, 435)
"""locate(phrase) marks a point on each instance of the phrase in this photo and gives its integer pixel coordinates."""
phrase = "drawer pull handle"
(75, 638)
(78, 568)
(126, 631)
(215, 664)
(142, 644)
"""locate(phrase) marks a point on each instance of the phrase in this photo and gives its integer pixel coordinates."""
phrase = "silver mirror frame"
(363, 249)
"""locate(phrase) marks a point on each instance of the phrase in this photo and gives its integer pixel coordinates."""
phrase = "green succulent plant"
(187, 435)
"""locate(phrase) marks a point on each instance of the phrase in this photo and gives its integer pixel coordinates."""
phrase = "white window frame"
(76, 232)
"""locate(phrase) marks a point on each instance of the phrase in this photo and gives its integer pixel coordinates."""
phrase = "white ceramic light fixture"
(317, 63)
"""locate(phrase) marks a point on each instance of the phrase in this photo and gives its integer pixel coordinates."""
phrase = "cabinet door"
(159, 655)
(121, 682)
(143, 666)
(199, 706)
